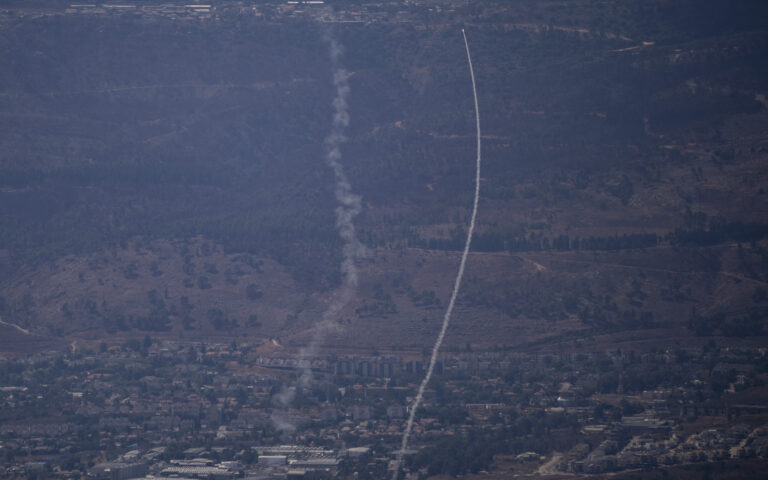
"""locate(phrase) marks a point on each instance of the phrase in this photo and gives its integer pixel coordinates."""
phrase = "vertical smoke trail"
(456, 285)
(349, 207)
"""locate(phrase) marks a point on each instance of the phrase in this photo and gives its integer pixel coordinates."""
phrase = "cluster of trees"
(718, 233)
(460, 455)
(500, 242)
(382, 305)
(446, 415)
(425, 298)
(220, 320)
(474, 451)
(749, 324)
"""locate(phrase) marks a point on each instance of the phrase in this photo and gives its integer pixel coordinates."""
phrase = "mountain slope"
(623, 182)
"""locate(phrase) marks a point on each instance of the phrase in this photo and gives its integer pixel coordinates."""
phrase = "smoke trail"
(456, 285)
(349, 207)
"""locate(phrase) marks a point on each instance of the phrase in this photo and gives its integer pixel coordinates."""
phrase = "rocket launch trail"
(456, 285)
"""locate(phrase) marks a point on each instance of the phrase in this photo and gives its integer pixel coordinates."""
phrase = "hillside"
(163, 173)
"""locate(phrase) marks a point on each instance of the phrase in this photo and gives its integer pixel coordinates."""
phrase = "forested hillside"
(165, 173)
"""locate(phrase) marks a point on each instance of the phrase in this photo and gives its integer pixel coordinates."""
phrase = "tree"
(253, 292)
(203, 283)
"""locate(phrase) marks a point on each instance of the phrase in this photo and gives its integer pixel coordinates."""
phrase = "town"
(162, 409)
(384, 11)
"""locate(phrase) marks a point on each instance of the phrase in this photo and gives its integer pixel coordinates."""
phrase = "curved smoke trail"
(456, 285)
(349, 207)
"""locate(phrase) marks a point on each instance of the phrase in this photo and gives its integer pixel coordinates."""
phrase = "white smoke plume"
(456, 285)
(349, 207)
(281, 422)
